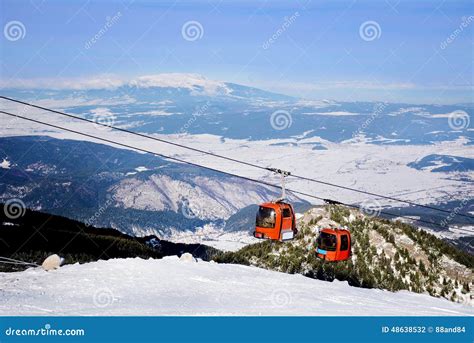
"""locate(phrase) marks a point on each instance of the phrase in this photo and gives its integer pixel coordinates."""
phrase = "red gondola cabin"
(334, 244)
(275, 221)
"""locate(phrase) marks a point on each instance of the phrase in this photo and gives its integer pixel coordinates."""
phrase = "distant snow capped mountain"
(190, 103)
(179, 83)
(195, 83)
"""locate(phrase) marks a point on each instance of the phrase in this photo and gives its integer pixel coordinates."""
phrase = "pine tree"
(397, 256)
(422, 267)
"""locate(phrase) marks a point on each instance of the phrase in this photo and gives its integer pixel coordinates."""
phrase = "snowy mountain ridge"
(108, 187)
(196, 83)
(206, 198)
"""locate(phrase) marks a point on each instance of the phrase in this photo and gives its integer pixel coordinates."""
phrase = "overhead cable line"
(330, 184)
(209, 168)
(6, 260)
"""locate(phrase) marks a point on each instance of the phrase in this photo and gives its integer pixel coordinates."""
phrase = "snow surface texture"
(212, 236)
(184, 287)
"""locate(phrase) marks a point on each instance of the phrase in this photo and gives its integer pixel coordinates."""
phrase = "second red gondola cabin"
(334, 244)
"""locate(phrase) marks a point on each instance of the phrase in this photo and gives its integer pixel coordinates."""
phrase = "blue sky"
(319, 54)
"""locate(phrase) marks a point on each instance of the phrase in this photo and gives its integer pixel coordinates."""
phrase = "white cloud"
(198, 84)
(81, 83)
(324, 85)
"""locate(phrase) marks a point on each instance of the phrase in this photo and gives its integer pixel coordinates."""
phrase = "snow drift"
(173, 287)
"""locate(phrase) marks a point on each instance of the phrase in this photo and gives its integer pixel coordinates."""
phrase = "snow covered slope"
(175, 287)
